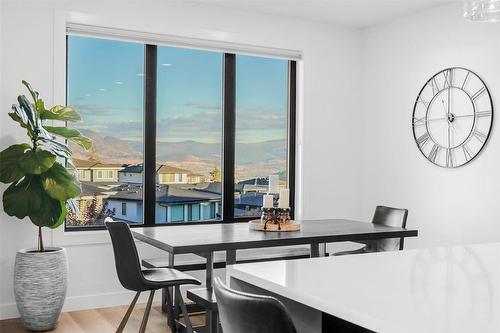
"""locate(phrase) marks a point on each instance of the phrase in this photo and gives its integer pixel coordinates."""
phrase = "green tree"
(215, 175)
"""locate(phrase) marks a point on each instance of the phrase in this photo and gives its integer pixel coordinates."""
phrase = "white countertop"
(449, 289)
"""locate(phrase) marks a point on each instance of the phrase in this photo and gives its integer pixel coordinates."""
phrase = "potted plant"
(42, 189)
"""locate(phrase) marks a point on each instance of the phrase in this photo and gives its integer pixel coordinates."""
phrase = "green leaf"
(37, 162)
(71, 134)
(33, 93)
(57, 148)
(28, 198)
(17, 119)
(82, 141)
(59, 112)
(28, 110)
(52, 213)
(23, 197)
(40, 106)
(64, 212)
(59, 183)
(10, 170)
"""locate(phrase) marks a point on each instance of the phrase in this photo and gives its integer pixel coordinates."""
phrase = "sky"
(105, 84)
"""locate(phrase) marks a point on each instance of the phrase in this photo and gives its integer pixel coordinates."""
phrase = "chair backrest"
(127, 262)
(241, 312)
(392, 217)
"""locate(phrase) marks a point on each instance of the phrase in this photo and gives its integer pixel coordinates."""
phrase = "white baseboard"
(74, 303)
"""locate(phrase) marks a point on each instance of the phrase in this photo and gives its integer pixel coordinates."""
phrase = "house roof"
(160, 168)
(89, 164)
(108, 165)
(249, 199)
(132, 168)
(83, 163)
(164, 168)
(166, 194)
(255, 181)
(91, 188)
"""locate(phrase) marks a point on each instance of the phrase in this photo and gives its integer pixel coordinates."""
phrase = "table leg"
(230, 257)
(168, 304)
(318, 250)
(211, 323)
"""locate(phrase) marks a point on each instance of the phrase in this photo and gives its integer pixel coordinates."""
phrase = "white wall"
(329, 76)
(447, 206)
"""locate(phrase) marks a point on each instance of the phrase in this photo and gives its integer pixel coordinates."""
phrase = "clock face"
(452, 117)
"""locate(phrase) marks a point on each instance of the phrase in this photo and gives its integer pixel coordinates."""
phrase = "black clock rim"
(491, 121)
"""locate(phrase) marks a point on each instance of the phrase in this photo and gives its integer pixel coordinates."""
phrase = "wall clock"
(452, 117)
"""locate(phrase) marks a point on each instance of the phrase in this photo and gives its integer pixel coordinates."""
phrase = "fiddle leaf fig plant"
(41, 188)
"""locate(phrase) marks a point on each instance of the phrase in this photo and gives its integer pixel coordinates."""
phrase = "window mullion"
(149, 170)
(292, 122)
(229, 132)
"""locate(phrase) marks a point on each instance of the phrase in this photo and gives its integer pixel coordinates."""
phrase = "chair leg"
(127, 314)
(146, 312)
(185, 314)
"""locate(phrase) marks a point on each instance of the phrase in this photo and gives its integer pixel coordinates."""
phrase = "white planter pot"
(40, 282)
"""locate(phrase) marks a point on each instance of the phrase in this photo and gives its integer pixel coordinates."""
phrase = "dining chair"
(241, 312)
(134, 278)
(387, 216)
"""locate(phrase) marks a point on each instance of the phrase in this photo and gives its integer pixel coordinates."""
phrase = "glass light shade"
(482, 10)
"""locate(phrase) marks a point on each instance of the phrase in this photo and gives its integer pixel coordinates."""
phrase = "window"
(189, 121)
(177, 213)
(194, 212)
(180, 135)
(261, 130)
(104, 83)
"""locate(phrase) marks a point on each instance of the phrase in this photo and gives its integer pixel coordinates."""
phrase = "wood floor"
(104, 320)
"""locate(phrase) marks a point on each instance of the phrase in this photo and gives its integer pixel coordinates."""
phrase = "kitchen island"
(446, 289)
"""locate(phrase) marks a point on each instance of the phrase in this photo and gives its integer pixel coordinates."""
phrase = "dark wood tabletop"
(233, 236)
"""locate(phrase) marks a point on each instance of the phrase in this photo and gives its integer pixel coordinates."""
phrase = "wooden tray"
(257, 225)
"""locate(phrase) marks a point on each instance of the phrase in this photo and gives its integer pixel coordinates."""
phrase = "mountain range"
(252, 159)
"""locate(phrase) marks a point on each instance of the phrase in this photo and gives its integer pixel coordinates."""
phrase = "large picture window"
(180, 135)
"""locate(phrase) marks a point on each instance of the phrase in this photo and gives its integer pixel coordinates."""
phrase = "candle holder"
(283, 216)
(268, 216)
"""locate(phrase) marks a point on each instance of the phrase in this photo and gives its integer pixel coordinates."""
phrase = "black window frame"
(124, 208)
(228, 141)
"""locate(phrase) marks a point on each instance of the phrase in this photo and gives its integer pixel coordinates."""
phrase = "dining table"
(206, 239)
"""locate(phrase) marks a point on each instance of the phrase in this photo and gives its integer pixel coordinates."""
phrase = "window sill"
(60, 237)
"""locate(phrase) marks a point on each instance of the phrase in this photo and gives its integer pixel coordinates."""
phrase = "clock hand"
(462, 116)
(448, 115)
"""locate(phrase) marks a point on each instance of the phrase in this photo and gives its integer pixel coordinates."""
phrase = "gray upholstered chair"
(241, 312)
(388, 216)
(133, 277)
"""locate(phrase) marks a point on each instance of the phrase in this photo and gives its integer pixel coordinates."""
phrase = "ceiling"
(355, 13)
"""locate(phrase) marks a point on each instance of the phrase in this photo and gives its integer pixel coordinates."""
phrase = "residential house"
(174, 203)
(94, 171)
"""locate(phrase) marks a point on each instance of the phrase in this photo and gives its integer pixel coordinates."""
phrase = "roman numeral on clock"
(435, 86)
(450, 160)
(434, 153)
(467, 152)
(423, 101)
(478, 93)
(448, 78)
(423, 139)
(418, 121)
(486, 113)
(480, 136)
(465, 80)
